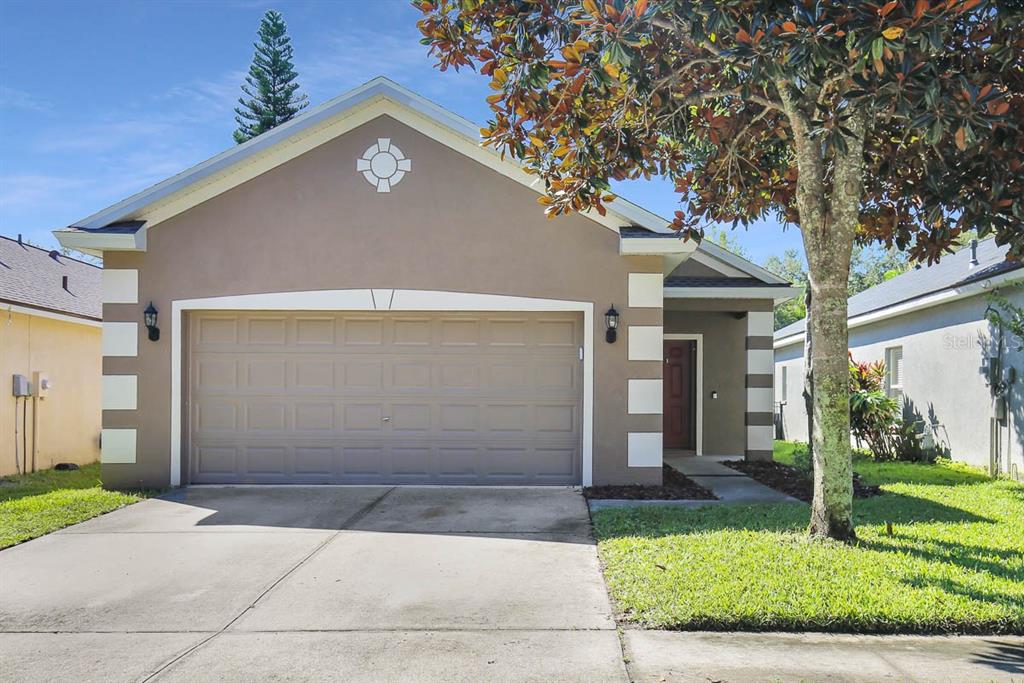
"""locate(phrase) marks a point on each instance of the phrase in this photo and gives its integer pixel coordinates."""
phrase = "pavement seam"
(619, 638)
(359, 514)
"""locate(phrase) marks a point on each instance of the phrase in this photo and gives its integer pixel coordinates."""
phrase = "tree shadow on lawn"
(968, 556)
(956, 588)
(656, 522)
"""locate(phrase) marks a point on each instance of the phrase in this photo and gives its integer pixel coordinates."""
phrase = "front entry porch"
(717, 378)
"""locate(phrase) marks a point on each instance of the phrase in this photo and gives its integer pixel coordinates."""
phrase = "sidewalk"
(689, 657)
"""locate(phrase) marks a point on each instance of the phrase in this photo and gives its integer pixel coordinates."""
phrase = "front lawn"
(954, 562)
(35, 504)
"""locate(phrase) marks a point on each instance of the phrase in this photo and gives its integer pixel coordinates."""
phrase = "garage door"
(359, 398)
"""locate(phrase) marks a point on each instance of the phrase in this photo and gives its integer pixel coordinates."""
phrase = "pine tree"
(271, 96)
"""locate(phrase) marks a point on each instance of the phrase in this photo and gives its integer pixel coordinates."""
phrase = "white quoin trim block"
(760, 400)
(644, 342)
(119, 446)
(759, 438)
(120, 392)
(120, 286)
(644, 397)
(760, 323)
(643, 449)
(646, 290)
(760, 361)
(120, 339)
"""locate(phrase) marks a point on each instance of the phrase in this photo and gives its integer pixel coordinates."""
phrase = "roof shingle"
(33, 277)
(953, 270)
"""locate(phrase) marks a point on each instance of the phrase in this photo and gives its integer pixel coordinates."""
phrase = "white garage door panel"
(470, 398)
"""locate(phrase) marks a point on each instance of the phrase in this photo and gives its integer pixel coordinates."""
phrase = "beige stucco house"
(50, 358)
(366, 295)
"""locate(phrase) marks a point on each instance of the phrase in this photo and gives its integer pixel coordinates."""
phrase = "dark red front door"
(679, 384)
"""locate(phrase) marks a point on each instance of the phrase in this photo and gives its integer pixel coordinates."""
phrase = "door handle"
(385, 419)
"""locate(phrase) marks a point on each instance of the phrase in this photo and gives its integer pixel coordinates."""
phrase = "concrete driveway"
(364, 584)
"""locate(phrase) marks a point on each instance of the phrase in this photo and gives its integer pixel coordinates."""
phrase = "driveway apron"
(313, 583)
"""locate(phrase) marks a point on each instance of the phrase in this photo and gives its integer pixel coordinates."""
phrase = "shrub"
(874, 415)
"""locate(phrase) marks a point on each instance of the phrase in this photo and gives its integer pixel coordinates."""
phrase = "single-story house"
(366, 295)
(50, 358)
(957, 377)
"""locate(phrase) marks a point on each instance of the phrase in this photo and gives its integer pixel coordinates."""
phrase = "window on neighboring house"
(782, 382)
(894, 372)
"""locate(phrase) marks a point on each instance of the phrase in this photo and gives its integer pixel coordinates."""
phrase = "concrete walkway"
(731, 486)
(314, 584)
(694, 657)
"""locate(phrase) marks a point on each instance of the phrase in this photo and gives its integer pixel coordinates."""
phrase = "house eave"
(777, 294)
(97, 242)
(646, 246)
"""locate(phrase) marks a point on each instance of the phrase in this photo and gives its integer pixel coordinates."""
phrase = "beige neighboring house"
(366, 295)
(50, 348)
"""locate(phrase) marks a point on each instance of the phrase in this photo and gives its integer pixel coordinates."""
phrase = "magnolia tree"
(895, 123)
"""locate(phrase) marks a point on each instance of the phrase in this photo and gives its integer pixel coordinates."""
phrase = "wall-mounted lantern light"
(149, 317)
(611, 324)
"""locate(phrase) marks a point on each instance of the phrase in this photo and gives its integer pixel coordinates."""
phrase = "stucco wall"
(314, 223)
(725, 332)
(944, 352)
(68, 420)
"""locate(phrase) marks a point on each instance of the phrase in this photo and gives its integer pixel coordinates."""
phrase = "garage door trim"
(380, 300)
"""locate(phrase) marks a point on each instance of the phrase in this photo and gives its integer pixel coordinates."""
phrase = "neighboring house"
(50, 316)
(941, 354)
(366, 295)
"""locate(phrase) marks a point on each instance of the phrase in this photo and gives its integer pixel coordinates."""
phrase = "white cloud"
(12, 98)
(33, 189)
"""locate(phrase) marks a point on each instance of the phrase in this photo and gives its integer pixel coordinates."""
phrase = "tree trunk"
(808, 374)
(829, 211)
(832, 506)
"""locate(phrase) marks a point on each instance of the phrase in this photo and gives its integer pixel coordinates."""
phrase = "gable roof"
(32, 277)
(713, 255)
(953, 272)
(311, 128)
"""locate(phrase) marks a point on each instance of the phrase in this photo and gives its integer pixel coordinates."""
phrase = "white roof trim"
(658, 246)
(97, 243)
(777, 294)
(938, 298)
(448, 128)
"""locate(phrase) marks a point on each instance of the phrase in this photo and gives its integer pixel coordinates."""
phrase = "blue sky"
(101, 99)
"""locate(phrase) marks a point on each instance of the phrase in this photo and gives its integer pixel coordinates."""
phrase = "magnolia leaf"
(893, 32)
(961, 138)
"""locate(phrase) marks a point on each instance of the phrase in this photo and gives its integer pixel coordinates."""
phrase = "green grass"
(36, 504)
(953, 564)
(879, 473)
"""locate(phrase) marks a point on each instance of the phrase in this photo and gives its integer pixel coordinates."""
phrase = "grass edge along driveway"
(953, 564)
(39, 503)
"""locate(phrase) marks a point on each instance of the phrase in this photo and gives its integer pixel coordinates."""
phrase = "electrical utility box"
(21, 386)
(42, 384)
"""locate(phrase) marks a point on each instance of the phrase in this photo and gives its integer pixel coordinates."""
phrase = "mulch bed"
(674, 487)
(792, 481)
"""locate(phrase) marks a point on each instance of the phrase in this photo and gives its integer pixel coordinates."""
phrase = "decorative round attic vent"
(383, 165)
